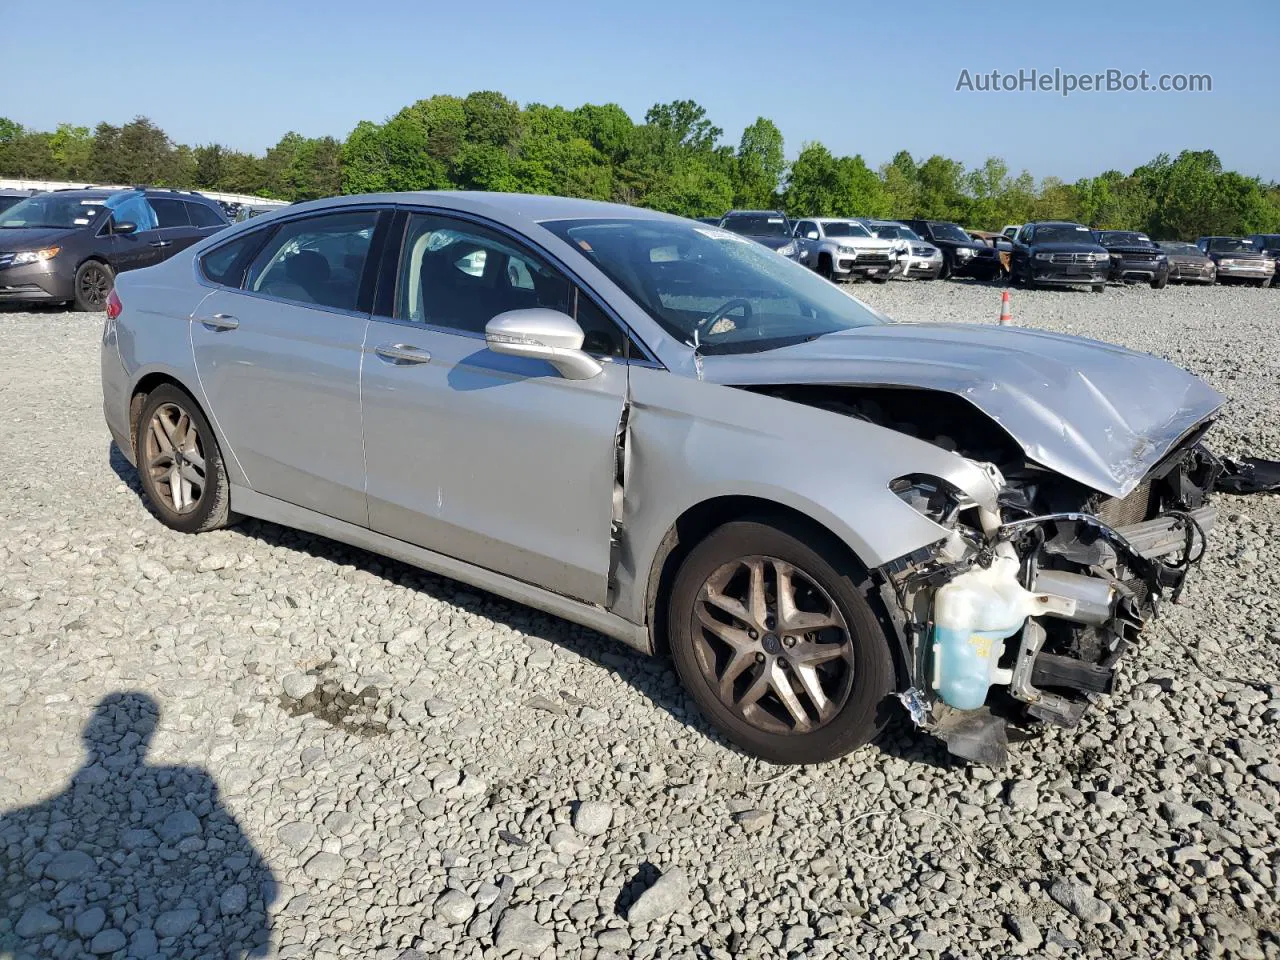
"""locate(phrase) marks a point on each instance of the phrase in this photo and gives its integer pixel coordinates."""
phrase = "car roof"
(91, 193)
(1057, 223)
(538, 208)
(755, 213)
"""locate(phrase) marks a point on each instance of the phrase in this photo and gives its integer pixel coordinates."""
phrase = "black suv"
(1135, 257)
(1057, 253)
(68, 245)
(962, 256)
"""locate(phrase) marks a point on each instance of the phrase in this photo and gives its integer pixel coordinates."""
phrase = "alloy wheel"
(174, 458)
(773, 645)
(95, 286)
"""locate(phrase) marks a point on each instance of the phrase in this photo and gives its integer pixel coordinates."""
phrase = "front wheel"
(94, 282)
(1264, 283)
(1159, 283)
(773, 634)
(1099, 287)
(180, 463)
(945, 272)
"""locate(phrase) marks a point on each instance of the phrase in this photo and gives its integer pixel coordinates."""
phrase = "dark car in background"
(1268, 243)
(10, 197)
(1134, 257)
(1059, 254)
(962, 256)
(1238, 259)
(1188, 263)
(768, 227)
(67, 246)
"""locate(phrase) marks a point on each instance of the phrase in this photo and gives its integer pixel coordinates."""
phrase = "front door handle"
(402, 353)
(161, 243)
(220, 321)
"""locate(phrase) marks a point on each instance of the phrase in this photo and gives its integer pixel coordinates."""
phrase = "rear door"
(173, 226)
(279, 357)
(141, 248)
(495, 460)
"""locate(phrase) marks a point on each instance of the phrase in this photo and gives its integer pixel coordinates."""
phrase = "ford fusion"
(668, 433)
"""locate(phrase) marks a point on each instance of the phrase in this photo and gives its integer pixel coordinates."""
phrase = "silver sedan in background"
(668, 433)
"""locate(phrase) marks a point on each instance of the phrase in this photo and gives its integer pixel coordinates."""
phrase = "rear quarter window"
(225, 264)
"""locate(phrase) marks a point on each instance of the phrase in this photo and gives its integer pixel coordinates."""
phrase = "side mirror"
(542, 334)
(811, 234)
(124, 227)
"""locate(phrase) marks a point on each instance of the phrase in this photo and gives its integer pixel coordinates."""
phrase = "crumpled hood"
(31, 238)
(1096, 413)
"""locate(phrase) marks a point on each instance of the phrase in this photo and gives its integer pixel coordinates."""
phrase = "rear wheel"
(94, 281)
(774, 636)
(180, 464)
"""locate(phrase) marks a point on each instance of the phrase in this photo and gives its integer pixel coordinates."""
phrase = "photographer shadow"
(131, 858)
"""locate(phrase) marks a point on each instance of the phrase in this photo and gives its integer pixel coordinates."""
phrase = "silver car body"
(567, 494)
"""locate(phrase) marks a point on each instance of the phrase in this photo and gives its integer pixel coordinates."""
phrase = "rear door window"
(169, 213)
(319, 260)
(202, 215)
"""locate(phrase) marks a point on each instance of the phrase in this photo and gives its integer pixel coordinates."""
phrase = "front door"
(279, 361)
(490, 459)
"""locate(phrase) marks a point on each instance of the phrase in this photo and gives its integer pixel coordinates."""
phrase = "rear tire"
(94, 282)
(750, 675)
(180, 464)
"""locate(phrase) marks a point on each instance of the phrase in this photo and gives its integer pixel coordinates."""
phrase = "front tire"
(825, 270)
(180, 464)
(774, 635)
(1159, 283)
(94, 282)
(1099, 287)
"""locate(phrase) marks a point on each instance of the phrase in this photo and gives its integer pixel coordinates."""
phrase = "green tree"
(685, 124)
(760, 165)
(941, 195)
(72, 148)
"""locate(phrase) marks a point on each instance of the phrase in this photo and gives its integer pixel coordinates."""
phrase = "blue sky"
(873, 80)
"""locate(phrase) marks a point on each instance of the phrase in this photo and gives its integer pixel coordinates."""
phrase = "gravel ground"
(260, 741)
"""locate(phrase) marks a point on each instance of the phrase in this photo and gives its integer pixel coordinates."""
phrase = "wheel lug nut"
(759, 658)
(752, 634)
(788, 641)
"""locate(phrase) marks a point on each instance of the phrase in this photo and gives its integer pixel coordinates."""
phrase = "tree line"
(676, 160)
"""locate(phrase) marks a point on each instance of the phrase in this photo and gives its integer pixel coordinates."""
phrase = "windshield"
(758, 225)
(1231, 245)
(710, 288)
(1269, 240)
(1181, 249)
(844, 228)
(53, 210)
(1109, 237)
(949, 231)
(1062, 233)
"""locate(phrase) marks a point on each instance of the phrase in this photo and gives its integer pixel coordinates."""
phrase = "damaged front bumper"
(1023, 615)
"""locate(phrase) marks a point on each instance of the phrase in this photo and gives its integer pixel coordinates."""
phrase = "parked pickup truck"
(843, 249)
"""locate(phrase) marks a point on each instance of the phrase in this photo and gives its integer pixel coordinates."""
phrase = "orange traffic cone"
(1006, 315)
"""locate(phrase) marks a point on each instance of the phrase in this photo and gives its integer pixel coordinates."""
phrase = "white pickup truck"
(843, 249)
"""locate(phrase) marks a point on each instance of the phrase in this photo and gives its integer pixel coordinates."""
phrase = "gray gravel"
(308, 751)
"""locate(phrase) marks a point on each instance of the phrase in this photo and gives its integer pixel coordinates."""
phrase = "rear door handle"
(220, 321)
(161, 243)
(402, 353)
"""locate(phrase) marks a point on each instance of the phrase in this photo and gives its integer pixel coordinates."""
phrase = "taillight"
(114, 306)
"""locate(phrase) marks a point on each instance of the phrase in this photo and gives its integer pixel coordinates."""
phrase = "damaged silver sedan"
(665, 432)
